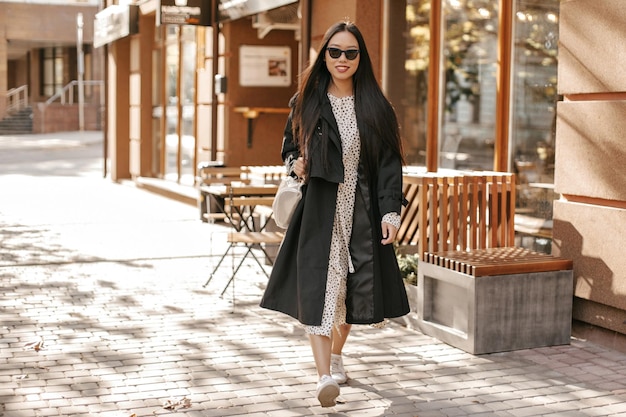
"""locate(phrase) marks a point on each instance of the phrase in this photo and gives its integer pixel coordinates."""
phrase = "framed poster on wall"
(264, 66)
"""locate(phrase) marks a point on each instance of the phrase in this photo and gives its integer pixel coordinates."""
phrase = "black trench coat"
(297, 282)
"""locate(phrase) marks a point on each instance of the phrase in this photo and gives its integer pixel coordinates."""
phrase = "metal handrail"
(17, 99)
(68, 90)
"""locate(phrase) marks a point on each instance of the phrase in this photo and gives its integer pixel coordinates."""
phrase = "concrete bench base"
(498, 313)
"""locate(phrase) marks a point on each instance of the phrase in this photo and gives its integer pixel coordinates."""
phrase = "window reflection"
(467, 100)
(534, 106)
(171, 109)
(470, 40)
(180, 62)
(187, 96)
(414, 101)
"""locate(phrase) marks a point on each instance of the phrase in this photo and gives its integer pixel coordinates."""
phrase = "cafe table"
(238, 202)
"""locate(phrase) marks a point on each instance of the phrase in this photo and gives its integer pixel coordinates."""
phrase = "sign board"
(185, 12)
(236, 9)
(115, 22)
(264, 66)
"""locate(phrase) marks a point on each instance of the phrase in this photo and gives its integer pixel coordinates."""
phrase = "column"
(3, 71)
(118, 114)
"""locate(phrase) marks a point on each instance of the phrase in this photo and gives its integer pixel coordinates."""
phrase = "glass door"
(172, 58)
(533, 114)
(180, 82)
(188, 99)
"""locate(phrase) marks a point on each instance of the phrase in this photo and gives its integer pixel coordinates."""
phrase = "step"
(17, 123)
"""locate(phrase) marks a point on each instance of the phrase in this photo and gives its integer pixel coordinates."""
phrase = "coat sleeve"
(389, 183)
(290, 150)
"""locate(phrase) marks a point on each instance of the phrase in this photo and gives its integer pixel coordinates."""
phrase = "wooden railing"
(66, 97)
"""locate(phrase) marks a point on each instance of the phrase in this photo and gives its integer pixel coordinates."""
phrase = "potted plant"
(408, 267)
(408, 264)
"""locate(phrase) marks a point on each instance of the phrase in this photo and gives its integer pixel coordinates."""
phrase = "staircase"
(18, 123)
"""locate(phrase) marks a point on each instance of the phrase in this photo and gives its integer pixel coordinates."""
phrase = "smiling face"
(342, 69)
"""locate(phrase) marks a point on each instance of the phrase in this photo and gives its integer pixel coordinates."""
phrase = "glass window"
(405, 83)
(415, 99)
(534, 104)
(171, 111)
(466, 104)
(51, 71)
(187, 97)
(180, 113)
(157, 100)
(470, 40)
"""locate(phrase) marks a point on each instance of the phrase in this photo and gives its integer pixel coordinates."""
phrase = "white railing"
(17, 99)
(66, 95)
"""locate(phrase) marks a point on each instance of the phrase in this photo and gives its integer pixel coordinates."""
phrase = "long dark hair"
(376, 119)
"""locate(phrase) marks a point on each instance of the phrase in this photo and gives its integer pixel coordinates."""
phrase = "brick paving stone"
(127, 325)
(617, 407)
(287, 413)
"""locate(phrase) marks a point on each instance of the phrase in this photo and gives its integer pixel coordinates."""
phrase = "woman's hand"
(389, 233)
(299, 167)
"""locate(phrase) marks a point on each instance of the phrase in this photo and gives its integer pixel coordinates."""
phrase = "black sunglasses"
(336, 53)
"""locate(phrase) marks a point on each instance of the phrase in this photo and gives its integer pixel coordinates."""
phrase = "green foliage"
(408, 267)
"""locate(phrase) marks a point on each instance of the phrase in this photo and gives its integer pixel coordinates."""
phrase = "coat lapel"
(329, 117)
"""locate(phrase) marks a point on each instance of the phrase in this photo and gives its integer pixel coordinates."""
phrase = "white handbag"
(286, 200)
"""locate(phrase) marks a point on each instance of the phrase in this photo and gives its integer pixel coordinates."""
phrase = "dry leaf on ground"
(176, 404)
(37, 346)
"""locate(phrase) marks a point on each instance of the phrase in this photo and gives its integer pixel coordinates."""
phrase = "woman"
(336, 266)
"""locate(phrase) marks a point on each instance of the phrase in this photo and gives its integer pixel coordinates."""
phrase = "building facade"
(44, 64)
(475, 84)
(590, 216)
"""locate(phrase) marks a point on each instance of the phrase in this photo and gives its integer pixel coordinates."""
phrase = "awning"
(236, 9)
(115, 22)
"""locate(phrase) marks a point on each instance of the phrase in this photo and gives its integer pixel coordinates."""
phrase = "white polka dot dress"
(339, 263)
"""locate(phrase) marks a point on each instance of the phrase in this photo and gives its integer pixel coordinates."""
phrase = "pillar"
(118, 114)
(3, 70)
(590, 217)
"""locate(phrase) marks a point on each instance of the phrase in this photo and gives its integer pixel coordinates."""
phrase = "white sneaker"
(336, 369)
(327, 391)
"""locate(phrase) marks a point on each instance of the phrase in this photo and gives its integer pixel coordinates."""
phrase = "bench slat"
(498, 261)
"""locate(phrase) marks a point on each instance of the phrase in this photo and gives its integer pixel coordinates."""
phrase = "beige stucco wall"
(590, 218)
(591, 160)
(591, 46)
(39, 22)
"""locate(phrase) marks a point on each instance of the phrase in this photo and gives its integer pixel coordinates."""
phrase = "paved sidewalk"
(103, 313)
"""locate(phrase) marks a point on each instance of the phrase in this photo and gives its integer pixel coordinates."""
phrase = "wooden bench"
(493, 300)
(476, 290)
(497, 261)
